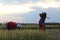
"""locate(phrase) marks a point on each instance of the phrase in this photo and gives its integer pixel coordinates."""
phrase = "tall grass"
(29, 34)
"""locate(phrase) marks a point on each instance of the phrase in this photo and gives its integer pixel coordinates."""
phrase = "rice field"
(30, 34)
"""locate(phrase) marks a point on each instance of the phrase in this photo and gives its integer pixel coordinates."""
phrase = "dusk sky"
(27, 11)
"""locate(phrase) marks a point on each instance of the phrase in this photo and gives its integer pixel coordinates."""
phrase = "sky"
(27, 11)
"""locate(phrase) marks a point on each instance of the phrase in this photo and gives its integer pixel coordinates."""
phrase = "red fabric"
(42, 27)
(12, 25)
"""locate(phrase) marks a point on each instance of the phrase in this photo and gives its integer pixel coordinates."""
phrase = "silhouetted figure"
(42, 21)
(11, 25)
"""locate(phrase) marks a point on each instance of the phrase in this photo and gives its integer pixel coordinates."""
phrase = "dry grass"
(26, 34)
(30, 34)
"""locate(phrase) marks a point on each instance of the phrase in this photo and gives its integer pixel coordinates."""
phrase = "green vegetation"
(30, 34)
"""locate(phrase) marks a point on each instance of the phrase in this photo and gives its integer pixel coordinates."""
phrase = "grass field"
(30, 34)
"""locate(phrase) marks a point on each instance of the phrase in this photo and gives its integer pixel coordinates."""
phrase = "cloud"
(48, 4)
(15, 8)
(4, 19)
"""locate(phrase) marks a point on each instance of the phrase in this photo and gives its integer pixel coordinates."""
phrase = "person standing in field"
(42, 21)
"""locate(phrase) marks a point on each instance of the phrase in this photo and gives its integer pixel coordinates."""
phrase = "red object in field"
(11, 25)
(42, 27)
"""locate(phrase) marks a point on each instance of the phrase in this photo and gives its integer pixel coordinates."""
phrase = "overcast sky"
(27, 11)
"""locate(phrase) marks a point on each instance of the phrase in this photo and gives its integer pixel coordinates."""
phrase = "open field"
(50, 34)
(35, 26)
(30, 34)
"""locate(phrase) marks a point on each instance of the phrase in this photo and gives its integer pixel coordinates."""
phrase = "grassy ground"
(30, 34)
